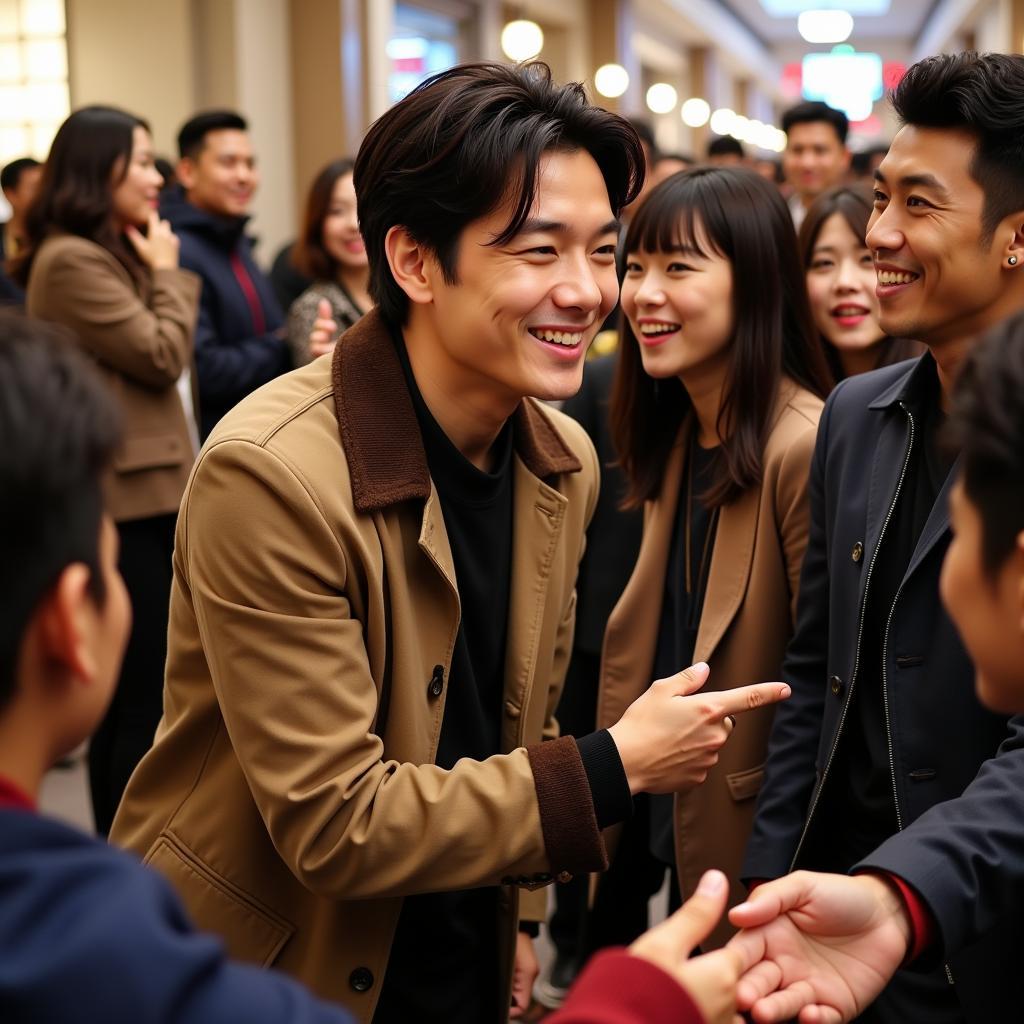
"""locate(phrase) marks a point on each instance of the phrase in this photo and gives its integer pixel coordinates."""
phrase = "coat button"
(858, 552)
(361, 979)
(835, 684)
(436, 684)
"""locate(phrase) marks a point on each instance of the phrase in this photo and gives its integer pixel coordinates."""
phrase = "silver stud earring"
(1012, 261)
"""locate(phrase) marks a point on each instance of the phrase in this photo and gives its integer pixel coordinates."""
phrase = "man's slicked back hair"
(192, 136)
(982, 94)
(464, 141)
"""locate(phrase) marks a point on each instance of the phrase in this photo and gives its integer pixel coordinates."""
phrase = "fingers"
(136, 238)
(770, 900)
(746, 698)
(690, 680)
(692, 923)
(783, 1005)
(761, 980)
(323, 310)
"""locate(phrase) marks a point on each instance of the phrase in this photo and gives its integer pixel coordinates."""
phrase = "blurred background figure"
(725, 151)
(841, 283)
(240, 337)
(329, 250)
(98, 259)
(816, 157)
(19, 181)
(864, 163)
(667, 164)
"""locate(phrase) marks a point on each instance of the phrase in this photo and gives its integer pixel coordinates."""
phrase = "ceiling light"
(661, 98)
(521, 40)
(722, 120)
(611, 80)
(695, 112)
(825, 26)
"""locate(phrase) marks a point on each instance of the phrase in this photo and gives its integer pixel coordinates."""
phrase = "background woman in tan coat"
(715, 410)
(89, 266)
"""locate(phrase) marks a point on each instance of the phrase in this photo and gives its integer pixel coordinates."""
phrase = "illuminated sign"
(846, 80)
(791, 8)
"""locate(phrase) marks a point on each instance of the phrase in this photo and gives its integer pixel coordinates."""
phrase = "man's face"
(815, 159)
(25, 191)
(938, 278)
(521, 316)
(987, 610)
(223, 178)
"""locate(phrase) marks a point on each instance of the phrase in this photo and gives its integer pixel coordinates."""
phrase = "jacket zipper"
(860, 637)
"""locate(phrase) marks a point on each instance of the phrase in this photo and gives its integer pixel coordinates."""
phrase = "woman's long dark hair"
(76, 192)
(854, 205)
(743, 218)
(310, 255)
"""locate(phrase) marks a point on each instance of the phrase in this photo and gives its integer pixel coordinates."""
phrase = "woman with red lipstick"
(99, 260)
(330, 250)
(841, 285)
(715, 411)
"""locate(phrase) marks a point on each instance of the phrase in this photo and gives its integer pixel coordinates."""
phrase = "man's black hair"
(986, 425)
(814, 112)
(726, 145)
(467, 140)
(192, 136)
(59, 427)
(982, 94)
(10, 176)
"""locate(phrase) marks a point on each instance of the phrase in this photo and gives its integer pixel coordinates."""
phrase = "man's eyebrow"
(918, 181)
(537, 226)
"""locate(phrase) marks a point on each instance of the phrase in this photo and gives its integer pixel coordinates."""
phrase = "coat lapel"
(937, 525)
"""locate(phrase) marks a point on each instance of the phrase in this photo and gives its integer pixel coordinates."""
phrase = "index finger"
(746, 698)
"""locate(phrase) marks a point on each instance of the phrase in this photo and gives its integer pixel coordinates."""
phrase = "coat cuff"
(609, 787)
(567, 819)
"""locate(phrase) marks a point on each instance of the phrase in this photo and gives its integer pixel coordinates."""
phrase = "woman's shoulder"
(797, 412)
(67, 250)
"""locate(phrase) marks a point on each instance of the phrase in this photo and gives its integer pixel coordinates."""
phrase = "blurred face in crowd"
(137, 188)
(341, 236)
(680, 306)
(939, 278)
(987, 608)
(20, 197)
(520, 316)
(222, 179)
(665, 167)
(841, 286)
(814, 160)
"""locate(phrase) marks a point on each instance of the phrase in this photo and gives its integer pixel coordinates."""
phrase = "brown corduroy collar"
(381, 435)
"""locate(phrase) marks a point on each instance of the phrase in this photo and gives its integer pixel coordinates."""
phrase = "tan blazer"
(748, 617)
(291, 795)
(141, 336)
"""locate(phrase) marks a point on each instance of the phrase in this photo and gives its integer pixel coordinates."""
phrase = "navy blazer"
(957, 769)
(87, 934)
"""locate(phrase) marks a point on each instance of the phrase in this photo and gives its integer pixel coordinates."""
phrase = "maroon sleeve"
(922, 926)
(618, 988)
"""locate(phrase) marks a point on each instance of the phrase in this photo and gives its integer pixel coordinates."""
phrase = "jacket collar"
(908, 386)
(381, 435)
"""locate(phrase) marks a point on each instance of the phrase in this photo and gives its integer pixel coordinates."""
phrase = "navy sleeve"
(789, 774)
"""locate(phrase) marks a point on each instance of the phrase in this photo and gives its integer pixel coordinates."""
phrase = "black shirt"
(686, 580)
(859, 805)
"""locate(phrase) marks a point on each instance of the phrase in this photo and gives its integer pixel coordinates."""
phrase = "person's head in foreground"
(714, 302)
(489, 202)
(947, 231)
(66, 613)
(983, 575)
(841, 282)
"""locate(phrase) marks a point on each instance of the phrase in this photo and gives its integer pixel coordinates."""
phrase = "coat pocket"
(250, 930)
(746, 784)
(152, 452)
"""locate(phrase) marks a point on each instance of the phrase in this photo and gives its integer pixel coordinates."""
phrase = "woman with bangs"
(714, 412)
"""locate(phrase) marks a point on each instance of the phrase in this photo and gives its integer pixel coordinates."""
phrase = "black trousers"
(126, 733)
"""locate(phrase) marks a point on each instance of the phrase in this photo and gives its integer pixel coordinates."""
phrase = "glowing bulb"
(695, 112)
(521, 40)
(661, 98)
(825, 26)
(739, 127)
(611, 80)
(722, 121)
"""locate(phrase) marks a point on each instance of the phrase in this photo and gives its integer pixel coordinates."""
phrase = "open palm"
(823, 946)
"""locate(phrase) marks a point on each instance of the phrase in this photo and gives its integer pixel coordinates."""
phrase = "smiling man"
(816, 157)
(240, 339)
(374, 600)
(885, 761)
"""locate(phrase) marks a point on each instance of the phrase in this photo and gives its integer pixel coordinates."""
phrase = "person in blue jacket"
(87, 934)
(240, 337)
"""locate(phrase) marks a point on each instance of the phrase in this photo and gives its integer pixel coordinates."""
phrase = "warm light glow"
(738, 129)
(611, 80)
(825, 26)
(696, 112)
(521, 40)
(722, 120)
(661, 98)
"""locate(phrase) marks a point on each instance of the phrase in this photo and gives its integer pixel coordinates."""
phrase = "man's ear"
(1012, 229)
(67, 624)
(412, 266)
(185, 172)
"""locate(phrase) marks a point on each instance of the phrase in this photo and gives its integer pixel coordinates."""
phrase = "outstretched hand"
(822, 946)
(324, 333)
